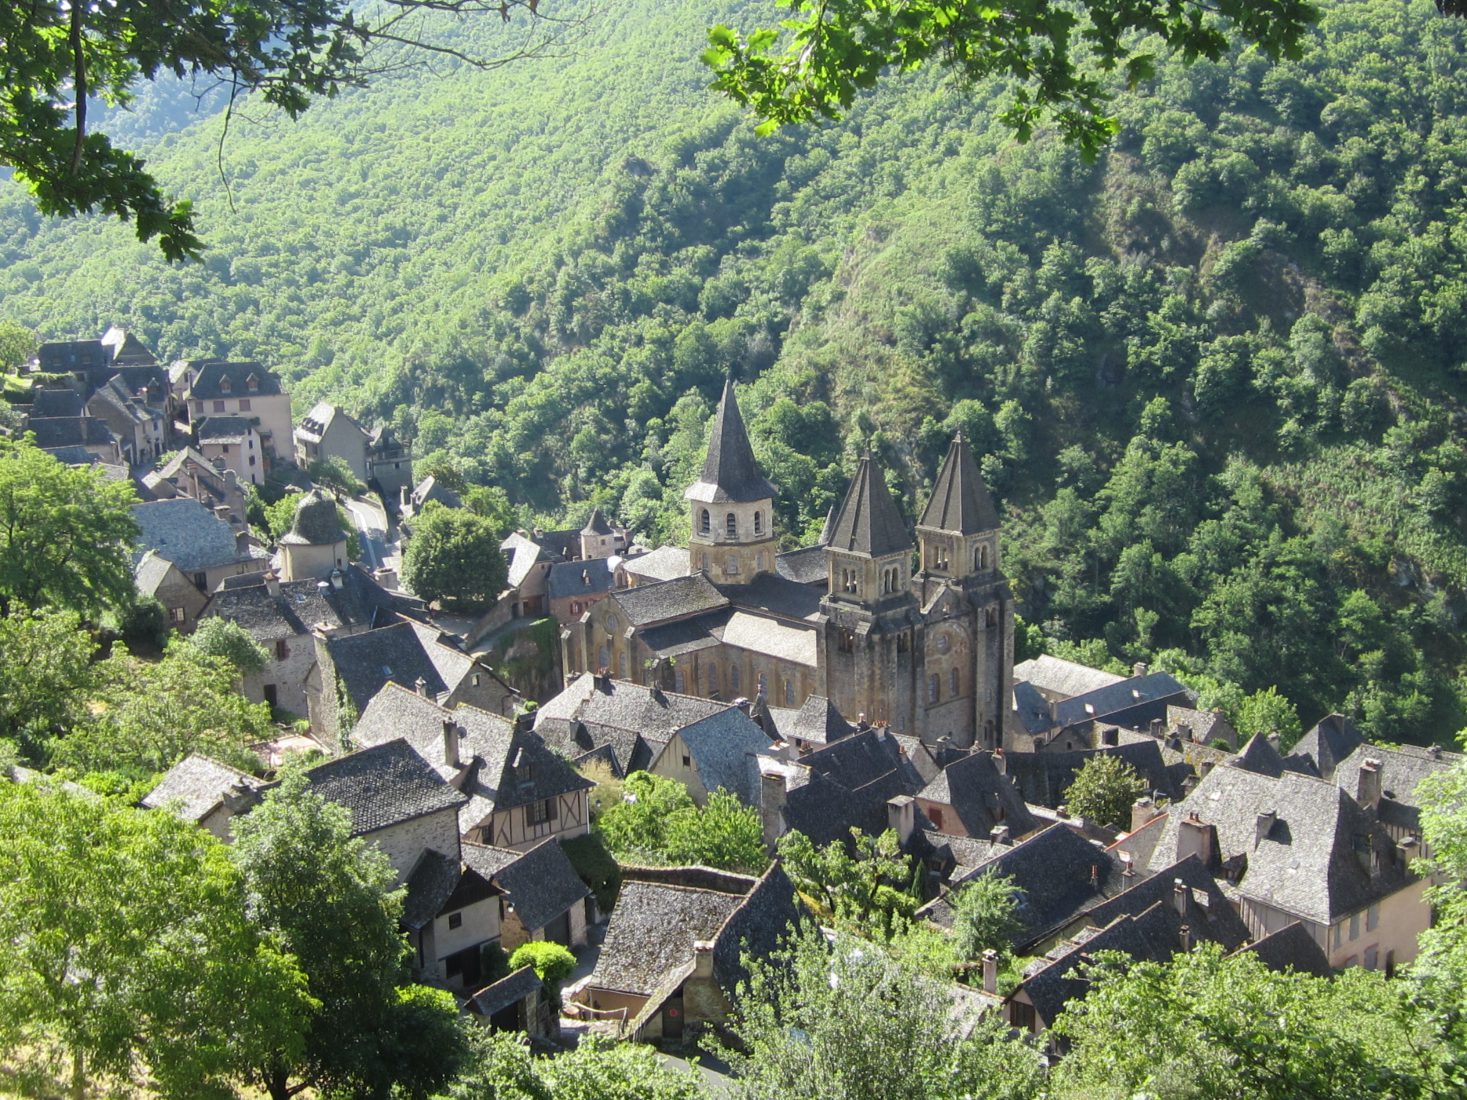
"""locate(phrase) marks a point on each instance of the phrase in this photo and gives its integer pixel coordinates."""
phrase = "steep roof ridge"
(868, 521)
(729, 471)
(960, 499)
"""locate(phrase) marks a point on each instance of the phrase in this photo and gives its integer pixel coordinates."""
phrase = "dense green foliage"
(658, 822)
(869, 884)
(127, 948)
(453, 556)
(503, 1069)
(1103, 790)
(985, 915)
(226, 639)
(1214, 377)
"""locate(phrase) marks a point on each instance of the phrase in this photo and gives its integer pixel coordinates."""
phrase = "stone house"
(138, 421)
(451, 913)
(1039, 724)
(87, 433)
(328, 431)
(231, 442)
(519, 792)
(350, 670)
(284, 617)
(717, 752)
(202, 545)
(316, 542)
(206, 793)
(542, 896)
(216, 387)
(389, 463)
(671, 959)
(929, 653)
(187, 473)
(573, 587)
(156, 576)
(516, 1002)
(973, 796)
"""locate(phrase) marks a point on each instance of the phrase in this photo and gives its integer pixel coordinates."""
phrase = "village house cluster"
(830, 688)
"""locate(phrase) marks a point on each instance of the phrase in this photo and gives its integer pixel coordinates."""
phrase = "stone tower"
(731, 506)
(316, 541)
(966, 604)
(871, 615)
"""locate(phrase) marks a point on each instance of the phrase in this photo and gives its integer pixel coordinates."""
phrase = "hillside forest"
(1216, 375)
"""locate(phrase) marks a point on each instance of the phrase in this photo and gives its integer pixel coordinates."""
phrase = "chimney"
(1000, 762)
(1263, 825)
(221, 511)
(703, 960)
(1142, 811)
(1184, 732)
(240, 798)
(772, 797)
(1408, 848)
(1367, 787)
(421, 686)
(1274, 741)
(1095, 876)
(1062, 812)
(901, 816)
(861, 724)
(1179, 897)
(338, 582)
(1434, 751)
(1128, 865)
(272, 584)
(999, 834)
(1158, 728)
(1139, 669)
(1186, 937)
(450, 742)
(1196, 838)
(990, 971)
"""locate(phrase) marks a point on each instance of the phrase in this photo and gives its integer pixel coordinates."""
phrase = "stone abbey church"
(928, 653)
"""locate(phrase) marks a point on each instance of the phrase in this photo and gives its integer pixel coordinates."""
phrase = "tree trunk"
(78, 1075)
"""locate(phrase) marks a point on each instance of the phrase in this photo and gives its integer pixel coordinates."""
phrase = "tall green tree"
(127, 950)
(46, 677)
(503, 1068)
(1441, 969)
(656, 821)
(1103, 791)
(454, 556)
(848, 1022)
(868, 880)
(216, 637)
(326, 897)
(985, 915)
(66, 534)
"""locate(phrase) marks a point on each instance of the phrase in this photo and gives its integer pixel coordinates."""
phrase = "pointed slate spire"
(596, 525)
(828, 528)
(960, 501)
(868, 521)
(729, 472)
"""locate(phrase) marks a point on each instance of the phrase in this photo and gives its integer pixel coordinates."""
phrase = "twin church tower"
(927, 651)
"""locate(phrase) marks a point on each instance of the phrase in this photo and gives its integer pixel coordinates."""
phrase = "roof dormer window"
(224, 386)
(252, 383)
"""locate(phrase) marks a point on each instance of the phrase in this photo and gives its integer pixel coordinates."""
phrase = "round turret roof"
(316, 522)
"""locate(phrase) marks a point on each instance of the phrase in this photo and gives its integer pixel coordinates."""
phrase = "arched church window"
(758, 523)
(705, 522)
(763, 683)
(733, 679)
(712, 679)
(990, 617)
(952, 681)
(731, 522)
(934, 688)
(944, 643)
(789, 692)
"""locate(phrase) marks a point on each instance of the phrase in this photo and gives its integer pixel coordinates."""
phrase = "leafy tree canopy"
(502, 1068)
(453, 555)
(865, 882)
(985, 915)
(223, 638)
(1103, 791)
(1055, 54)
(46, 677)
(656, 821)
(66, 533)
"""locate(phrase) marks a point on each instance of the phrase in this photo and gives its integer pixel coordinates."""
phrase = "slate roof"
(150, 572)
(188, 534)
(304, 605)
(49, 404)
(383, 786)
(560, 544)
(1291, 948)
(662, 564)
(1061, 678)
(772, 594)
(981, 796)
(597, 524)
(960, 500)
(431, 489)
(507, 991)
(856, 760)
(524, 554)
(729, 472)
(317, 422)
(72, 355)
(502, 767)
(430, 884)
(316, 521)
(1332, 739)
(400, 654)
(722, 748)
(808, 565)
(69, 431)
(1031, 708)
(1062, 875)
(868, 521)
(1044, 777)
(1401, 769)
(569, 579)
(73, 456)
(1118, 697)
(1201, 725)
(224, 429)
(1208, 913)
(197, 784)
(846, 785)
(124, 347)
(666, 600)
(795, 644)
(1304, 862)
(218, 378)
(1259, 756)
(541, 883)
(815, 722)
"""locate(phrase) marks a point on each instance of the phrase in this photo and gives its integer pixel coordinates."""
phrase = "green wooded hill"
(1217, 376)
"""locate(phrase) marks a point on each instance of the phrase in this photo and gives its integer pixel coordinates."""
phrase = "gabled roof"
(981, 796)
(430, 884)
(722, 748)
(570, 579)
(663, 564)
(218, 378)
(48, 404)
(730, 473)
(634, 721)
(675, 599)
(431, 489)
(1329, 742)
(1062, 875)
(224, 429)
(197, 784)
(1117, 697)
(846, 785)
(124, 347)
(188, 534)
(509, 990)
(1201, 906)
(69, 431)
(541, 883)
(398, 654)
(815, 722)
(1259, 756)
(315, 424)
(524, 554)
(1044, 777)
(960, 500)
(304, 605)
(868, 521)
(1291, 948)
(383, 786)
(150, 572)
(72, 355)
(1060, 678)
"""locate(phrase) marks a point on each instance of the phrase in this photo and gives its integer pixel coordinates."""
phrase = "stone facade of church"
(925, 650)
